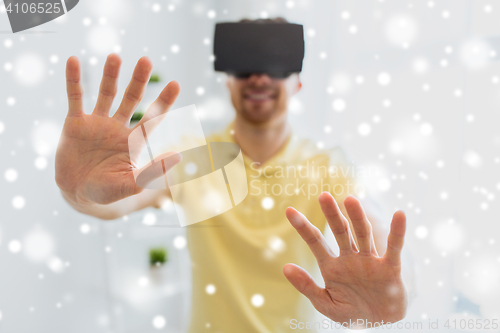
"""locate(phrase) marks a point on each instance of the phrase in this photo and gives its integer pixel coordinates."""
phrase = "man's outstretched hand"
(93, 165)
(359, 284)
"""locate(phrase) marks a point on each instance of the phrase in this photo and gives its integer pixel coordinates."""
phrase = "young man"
(251, 250)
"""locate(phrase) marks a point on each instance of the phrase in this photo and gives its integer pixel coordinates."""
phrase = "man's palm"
(359, 285)
(92, 161)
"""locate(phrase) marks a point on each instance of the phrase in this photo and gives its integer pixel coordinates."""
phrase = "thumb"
(303, 282)
(156, 169)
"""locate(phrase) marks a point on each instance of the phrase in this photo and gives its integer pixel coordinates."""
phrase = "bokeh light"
(103, 39)
(210, 289)
(267, 203)
(180, 242)
(55, 264)
(475, 54)
(10, 175)
(18, 202)
(341, 83)
(159, 322)
(29, 69)
(15, 246)
(149, 219)
(257, 300)
(45, 137)
(473, 159)
(38, 245)
(448, 236)
(401, 29)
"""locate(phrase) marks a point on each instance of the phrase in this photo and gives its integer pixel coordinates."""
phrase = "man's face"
(259, 98)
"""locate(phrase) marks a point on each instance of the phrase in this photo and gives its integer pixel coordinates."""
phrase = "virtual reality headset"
(241, 49)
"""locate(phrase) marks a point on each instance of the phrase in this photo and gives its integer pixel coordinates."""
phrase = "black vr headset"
(241, 49)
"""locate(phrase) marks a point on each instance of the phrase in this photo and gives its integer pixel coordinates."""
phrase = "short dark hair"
(277, 19)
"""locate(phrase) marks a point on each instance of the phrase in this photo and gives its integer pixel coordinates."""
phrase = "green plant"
(154, 78)
(158, 256)
(137, 116)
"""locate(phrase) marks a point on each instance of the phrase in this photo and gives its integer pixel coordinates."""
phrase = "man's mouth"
(259, 97)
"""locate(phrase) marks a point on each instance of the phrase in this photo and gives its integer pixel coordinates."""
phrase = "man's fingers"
(135, 90)
(162, 104)
(303, 282)
(74, 87)
(310, 234)
(395, 240)
(362, 227)
(108, 87)
(337, 222)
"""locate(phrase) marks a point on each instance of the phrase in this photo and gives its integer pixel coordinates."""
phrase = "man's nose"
(259, 79)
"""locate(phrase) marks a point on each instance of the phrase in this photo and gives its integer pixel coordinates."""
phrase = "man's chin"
(258, 116)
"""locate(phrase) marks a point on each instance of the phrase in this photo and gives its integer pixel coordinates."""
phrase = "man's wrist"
(77, 201)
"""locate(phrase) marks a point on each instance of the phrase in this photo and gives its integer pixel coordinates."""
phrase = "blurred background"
(410, 88)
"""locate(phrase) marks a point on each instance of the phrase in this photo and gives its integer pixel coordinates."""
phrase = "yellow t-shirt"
(238, 256)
